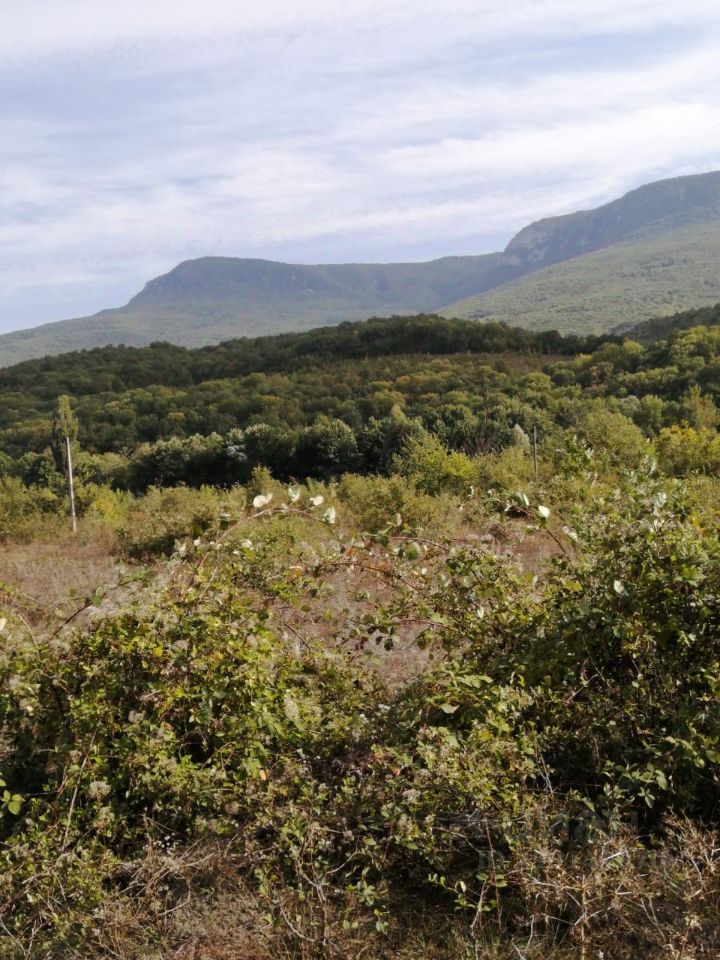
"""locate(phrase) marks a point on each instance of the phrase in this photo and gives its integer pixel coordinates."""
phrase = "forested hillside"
(120, 368)
(649, 275)
(343, 399)
(352, 372)
(661, 327)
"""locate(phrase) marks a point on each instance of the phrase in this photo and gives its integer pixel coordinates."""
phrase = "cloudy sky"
(139, 134)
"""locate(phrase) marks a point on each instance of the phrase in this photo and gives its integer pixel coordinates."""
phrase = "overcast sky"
(139, 134)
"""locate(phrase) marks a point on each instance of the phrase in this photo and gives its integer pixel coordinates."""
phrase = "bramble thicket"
(396, 643)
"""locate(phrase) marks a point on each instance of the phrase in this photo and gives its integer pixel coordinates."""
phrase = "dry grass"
(46, 580)
(616, 899)
(178, 910)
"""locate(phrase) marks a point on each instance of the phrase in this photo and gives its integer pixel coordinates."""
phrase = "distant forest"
(347, 398)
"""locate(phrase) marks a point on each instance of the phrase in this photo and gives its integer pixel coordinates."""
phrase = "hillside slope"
(619, 286)
(660, 328)
(648, 210)
(667, 230)
(218, 298)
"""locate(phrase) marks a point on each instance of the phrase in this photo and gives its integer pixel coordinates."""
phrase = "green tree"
(698, 409)
(326, 449)
(64, 426)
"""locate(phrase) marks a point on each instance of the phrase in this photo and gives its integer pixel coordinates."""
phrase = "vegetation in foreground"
(464, 706)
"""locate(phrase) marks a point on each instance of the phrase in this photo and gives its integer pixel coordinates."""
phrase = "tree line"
(324, 417)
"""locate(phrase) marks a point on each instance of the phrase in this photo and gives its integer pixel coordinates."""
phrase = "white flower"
(317, 501)
(618, 586)
(329, 515)
(98, 789)
(262, 500)
(293, 494)
(246, 544)
(544, 512)
(3, 623)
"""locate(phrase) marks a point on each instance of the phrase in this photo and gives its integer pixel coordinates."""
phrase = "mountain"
(650, 252)
(615, 287)
(648, 210)
(219, 298)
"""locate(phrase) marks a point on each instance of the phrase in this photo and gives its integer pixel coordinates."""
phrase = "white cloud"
(137, 135)
(637, 138)
(52, 27)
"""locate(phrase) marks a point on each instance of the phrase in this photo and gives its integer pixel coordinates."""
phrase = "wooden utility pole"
(535, 462)
(71, 484)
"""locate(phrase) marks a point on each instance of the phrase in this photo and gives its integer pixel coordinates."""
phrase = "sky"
(139, 134)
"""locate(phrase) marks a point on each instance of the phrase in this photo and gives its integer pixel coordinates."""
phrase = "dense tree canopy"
(349, 398)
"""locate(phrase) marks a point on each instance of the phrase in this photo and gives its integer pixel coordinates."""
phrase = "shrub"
(552, 774)
(432, 468)
(614, 438)
(505, 472)
(110, 508)
(25, 511)
(374, 502)
(325, 450)
(161, 518)
(682, 450)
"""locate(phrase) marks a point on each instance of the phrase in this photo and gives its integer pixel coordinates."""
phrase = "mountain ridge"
(648, 207)
(210, 299)
(616, 286)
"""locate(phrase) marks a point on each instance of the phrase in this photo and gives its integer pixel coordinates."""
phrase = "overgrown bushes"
(25, 512)
(547, 782)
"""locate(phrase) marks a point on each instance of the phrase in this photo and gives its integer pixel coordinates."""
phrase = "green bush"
(614, 438)
(162, 517)
(374, 503)
(432, 468)
(683, 450)
(560, 730)
(510, 470)
(26, 512)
